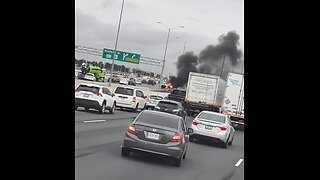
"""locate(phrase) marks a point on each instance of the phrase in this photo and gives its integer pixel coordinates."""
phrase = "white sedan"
(90, 77)
(212, 126)
(123, 81)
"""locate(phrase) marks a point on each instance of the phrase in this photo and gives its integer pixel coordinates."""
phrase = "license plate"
(208, 127)
(151, 135)
(86, 95)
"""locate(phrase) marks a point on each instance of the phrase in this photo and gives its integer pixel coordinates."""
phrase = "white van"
(128, 97)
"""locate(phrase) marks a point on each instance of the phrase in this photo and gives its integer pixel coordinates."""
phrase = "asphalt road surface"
(98, 157)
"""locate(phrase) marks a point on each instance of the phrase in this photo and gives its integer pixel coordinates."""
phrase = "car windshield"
(168, 105)
(125, 91)
(89, 74)
(88, 89)
(212, 117)
(159, 120)
(155, 97)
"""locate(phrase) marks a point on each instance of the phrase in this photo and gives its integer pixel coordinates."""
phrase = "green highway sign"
(121, 56)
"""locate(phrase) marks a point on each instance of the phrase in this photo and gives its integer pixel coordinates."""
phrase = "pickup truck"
(177, 95)
(237, 121)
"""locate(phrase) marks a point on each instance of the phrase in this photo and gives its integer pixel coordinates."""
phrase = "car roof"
(157, 95)
(90, 84)
(161, 114)
(128, 87)
(165, 100)
(215, 113)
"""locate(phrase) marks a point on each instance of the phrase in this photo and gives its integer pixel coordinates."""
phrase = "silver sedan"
(157, 133)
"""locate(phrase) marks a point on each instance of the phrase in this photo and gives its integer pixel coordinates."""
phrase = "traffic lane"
(81, 114)
(94, 130)
(204, 160)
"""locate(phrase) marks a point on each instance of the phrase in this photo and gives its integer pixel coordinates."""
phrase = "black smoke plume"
(210, 60)
(186, 63)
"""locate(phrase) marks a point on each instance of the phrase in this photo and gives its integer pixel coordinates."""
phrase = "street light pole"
(165, 51)
(116, 45)
(184, 47)
(224, 57)
(164, 59)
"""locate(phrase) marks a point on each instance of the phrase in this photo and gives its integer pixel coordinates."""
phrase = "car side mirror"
(133, 118)
(145, 97)
(190, 130)
(112, 95)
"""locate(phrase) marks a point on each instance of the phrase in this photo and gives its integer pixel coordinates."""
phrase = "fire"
(168, 85)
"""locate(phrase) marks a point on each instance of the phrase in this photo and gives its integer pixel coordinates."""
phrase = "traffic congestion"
(159, 90)
(140, 127)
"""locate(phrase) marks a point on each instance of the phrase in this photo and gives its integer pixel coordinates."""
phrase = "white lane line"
(239, 162)
(92, 121)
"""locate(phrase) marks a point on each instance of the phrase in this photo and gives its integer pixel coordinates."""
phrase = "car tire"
(184, 155)
(136, 108)
(102, 110)
(112, 110)
(177, 162)
(125, 152)
(230, 143)
(225, 145)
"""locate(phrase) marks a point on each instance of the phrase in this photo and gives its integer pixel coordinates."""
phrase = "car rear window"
(88, 88)
(155, 97)
(125, 91)
(168, 105)
(211, 117)
(159, 120)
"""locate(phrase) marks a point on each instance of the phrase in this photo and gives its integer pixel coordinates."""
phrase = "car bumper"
(221, 136)
(168, 150)
(87, 103)
(125, 105)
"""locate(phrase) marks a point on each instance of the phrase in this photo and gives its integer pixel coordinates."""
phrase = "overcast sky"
(203, 20)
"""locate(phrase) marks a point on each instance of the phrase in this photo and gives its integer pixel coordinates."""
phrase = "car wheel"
(103, 108)
(112, 110)
(225, 145)
(230, 143)
(177, 161)
(136, 108)
(125, 152)
(76, 108)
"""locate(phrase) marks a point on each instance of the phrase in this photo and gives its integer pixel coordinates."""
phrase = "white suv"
(95, 97)
(128, 97)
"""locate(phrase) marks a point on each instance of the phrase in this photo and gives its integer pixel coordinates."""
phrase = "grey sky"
(204, 22)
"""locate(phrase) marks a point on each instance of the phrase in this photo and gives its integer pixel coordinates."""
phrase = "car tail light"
(98, 94)
(134, 99)
(176, 138)
(223, 128)
(196, 122)
(132, 129)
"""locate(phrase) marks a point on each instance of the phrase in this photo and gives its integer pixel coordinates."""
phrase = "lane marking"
(239, 162)
(92, 121)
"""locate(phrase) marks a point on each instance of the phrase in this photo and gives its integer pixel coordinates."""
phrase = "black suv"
(172, 107)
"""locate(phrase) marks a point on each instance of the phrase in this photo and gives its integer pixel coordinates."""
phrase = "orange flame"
(168, 85)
